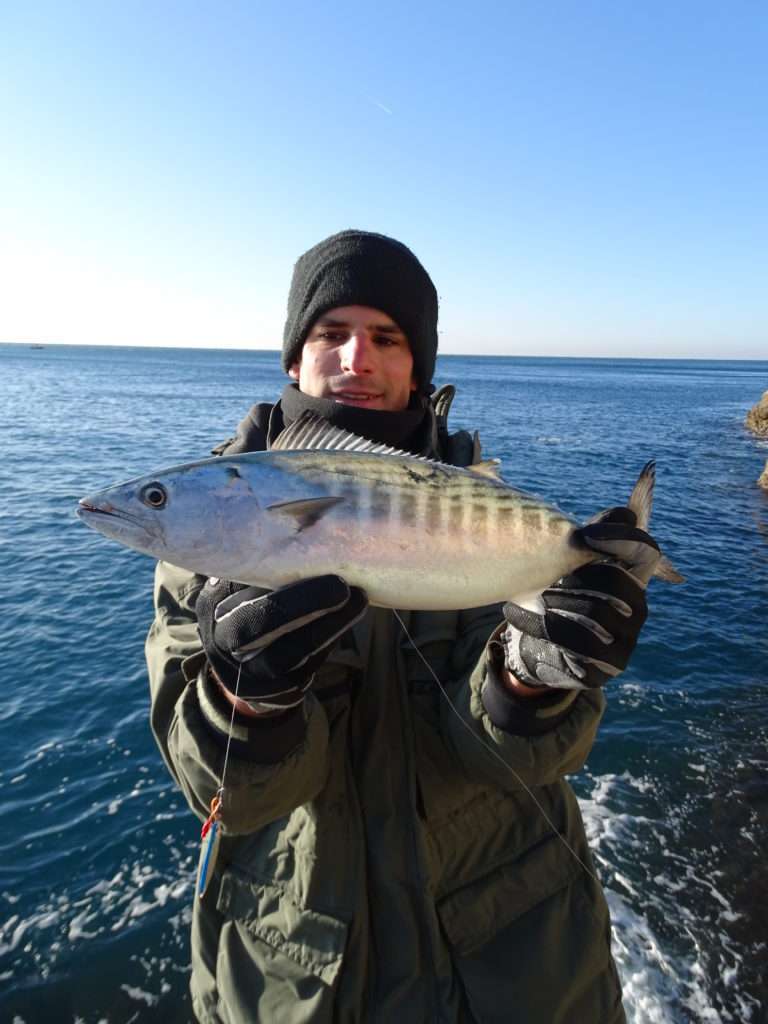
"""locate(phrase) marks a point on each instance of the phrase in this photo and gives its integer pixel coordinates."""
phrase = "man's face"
(358, 356)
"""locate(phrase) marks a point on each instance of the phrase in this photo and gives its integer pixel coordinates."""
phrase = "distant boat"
(37, 346)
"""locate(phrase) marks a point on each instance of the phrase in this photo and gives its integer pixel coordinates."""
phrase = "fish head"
(184, 515)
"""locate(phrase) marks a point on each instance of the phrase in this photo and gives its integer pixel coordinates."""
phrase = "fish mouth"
(86, 507)
(103, 515)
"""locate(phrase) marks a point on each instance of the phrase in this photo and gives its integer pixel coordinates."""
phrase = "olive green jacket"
(396, 863)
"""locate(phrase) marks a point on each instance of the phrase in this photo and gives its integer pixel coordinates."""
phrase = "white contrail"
(380, 105)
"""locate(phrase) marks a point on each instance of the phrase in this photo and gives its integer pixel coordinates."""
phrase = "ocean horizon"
(443, 355)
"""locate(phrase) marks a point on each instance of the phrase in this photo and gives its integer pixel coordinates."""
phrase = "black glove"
(592, 618)
(275, 641)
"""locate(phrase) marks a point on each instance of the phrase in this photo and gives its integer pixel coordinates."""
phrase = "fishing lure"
(210, 833)
(210, 838)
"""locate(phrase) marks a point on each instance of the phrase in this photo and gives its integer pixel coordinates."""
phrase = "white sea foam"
(664, 903)
(108, 906)
(140, 995)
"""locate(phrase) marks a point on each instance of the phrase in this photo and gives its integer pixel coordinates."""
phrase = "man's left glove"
(267, 646)
(592, 617)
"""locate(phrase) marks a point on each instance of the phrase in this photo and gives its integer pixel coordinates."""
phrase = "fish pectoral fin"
(488, 467)
(305, 512)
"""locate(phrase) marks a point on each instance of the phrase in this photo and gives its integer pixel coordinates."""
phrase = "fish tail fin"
(641, 498)
(641, 503)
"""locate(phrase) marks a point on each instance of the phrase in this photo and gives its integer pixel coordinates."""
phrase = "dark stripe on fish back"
(435, 506)
(480, 520)
(351, 492)
(557, 526)
(407, 505)
(532, 519)
(456, 514)
(382, 502)
(506, 520)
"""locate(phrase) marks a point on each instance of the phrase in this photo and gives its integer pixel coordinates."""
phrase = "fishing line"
(220, 790)
(497, 755)
(218, 799)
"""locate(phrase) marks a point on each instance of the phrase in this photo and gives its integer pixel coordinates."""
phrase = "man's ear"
(293, 370)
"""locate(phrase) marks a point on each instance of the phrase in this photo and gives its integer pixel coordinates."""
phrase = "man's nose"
(357, 353)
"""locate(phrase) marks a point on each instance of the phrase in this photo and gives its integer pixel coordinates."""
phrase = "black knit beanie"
(361, 268)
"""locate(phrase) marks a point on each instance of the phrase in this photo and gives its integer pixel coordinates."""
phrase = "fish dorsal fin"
(311, 431)
(488, 467)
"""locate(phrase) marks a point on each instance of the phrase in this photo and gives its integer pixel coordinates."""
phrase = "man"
(386, 855)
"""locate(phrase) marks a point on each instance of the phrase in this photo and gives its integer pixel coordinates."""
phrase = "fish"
(413, 533)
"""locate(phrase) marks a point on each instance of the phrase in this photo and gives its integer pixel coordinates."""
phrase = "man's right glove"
(274, 642)
(591, 619)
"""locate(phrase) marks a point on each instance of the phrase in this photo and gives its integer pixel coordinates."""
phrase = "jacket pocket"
(311, 939)
(473, 914)
(530, 942)
(274, 953)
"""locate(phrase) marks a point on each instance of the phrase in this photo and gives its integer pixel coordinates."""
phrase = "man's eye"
(385, 340)
(333, 336)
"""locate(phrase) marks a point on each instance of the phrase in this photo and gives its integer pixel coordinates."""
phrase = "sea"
(97, 846)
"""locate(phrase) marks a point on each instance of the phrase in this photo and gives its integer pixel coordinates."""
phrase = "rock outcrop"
(762, 480)
(757, 417)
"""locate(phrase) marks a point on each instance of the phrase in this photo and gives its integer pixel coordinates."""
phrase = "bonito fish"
(413, 533)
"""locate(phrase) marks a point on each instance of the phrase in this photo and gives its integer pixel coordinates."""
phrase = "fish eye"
(154, 495)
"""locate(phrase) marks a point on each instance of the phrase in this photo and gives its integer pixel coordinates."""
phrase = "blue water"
(98, 848)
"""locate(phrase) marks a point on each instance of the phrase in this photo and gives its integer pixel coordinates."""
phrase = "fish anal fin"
(666, 571)
(488, 467)
(305, 512)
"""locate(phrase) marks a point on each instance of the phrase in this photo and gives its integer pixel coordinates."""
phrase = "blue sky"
(579, 178)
